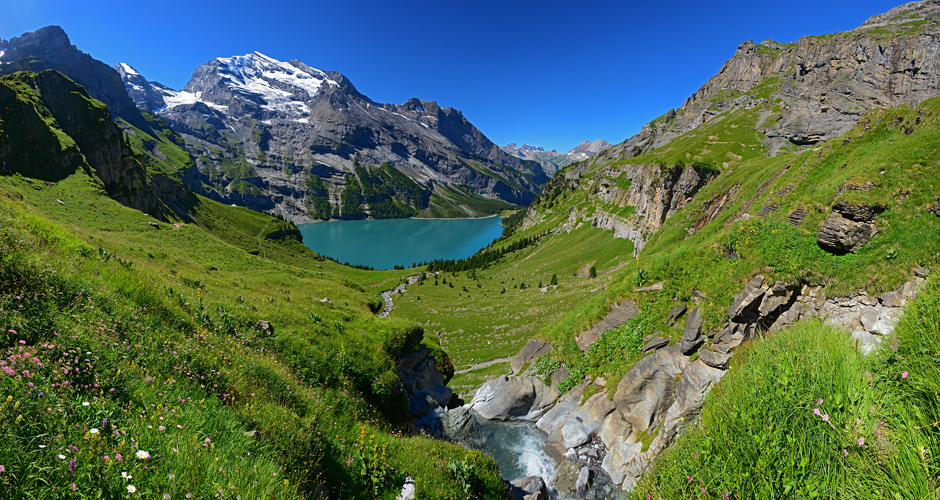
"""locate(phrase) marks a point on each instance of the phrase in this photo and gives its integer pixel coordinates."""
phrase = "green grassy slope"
(123, 335)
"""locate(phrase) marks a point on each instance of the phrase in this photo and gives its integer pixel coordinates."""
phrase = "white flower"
(131, 488)
(93, 431)
(125, 475)
(143, 455)
(42, 446)
(61, 456)
(86, 403)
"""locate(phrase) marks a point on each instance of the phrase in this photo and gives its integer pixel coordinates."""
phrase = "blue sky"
(546, 73)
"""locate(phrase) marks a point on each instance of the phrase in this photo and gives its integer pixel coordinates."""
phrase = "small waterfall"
(516, 447)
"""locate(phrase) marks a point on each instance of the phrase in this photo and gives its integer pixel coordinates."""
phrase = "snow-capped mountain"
(289, 122)
(147, 95)
(552, 161)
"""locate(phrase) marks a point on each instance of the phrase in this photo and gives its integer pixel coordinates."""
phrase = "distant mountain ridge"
(553, 160)
(286, 137)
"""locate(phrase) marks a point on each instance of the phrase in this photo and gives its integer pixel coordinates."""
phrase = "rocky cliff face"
(51, 127)
(817, 87)
(632, 201)
(284, 136)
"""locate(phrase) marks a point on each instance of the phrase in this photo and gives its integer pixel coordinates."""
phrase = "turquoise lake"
(386, 243)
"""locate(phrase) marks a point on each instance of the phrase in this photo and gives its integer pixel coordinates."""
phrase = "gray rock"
(582, 485)
(676, 313)
(715, 359)
(867, 342)
(869, 318)
(533, 350)
(559, 376)
(747, 303)
(892, 299)
(618, 315)
(697, 380)
(520, 398)
(529, 488)
(566, 479)
(655, 343)
(615, 430)
(857, 213)
(265, 328)
(692, 338)
(840, 235)
(921, 272)
(646, 391)
(656, 287)
(619, 458)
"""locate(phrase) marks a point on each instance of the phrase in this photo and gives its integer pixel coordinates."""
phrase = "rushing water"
(386, 243)
(516, 447)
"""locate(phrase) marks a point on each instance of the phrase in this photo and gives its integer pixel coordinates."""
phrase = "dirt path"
(485, 364)
(387, 296)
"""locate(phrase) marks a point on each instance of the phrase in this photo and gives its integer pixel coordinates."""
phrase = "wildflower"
(171, 476)
(825, 418)
(142, 455)
(904, 375)
(93, 431)
(845, 452)
(118, 457)
(42, 446)
(820, 401)
(166, 496)
(74, 488)
(724, 496)
(690, 478)
(2, 469)
(131, 488)
(816, 411)
(125, 475)
(72, 466)
(61, 456)
(86, 403)
(861, 441)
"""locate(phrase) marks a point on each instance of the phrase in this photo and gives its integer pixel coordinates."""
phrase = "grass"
(91, 287)
(478, 321)
(803, 414)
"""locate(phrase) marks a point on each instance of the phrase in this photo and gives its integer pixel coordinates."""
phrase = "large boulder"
(619, 458)
(646, 391)
(840, 235)
(533, 350)
(618, 315)
(520, 398)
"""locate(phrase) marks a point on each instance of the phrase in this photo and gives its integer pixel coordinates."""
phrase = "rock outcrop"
(821, 85)
(424, 386)
(619, 314)
(602, 440)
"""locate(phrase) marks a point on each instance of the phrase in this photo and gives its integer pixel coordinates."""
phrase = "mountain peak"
(48, 38)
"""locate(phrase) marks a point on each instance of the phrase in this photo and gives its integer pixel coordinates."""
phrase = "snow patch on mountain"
(129, 70)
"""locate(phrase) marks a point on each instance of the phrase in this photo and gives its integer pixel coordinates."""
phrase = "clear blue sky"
(546, 73)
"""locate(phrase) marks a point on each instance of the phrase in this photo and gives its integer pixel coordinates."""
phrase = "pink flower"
(861, 441)
(816, 411)
(825, 417)
(820, 401)
(118, 457)
(845, 452)
(904, 375)
(2, 469)
(690, 478)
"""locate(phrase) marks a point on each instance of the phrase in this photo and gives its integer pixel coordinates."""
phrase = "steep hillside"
(51, 129)
(286, 137)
